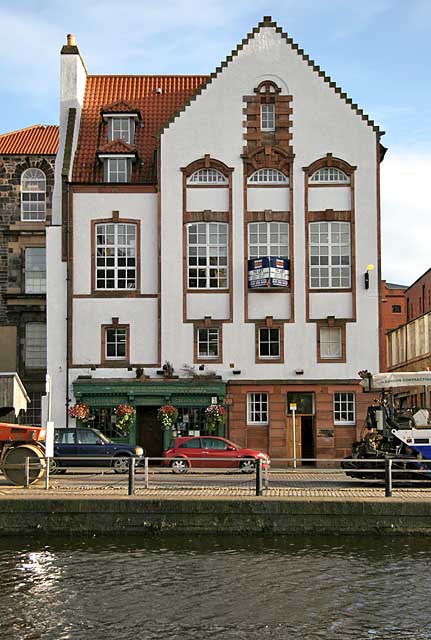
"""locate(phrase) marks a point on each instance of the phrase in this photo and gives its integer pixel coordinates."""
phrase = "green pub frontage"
(191, 398)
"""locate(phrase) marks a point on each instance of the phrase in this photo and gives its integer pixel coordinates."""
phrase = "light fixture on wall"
(370, 267)
(299, 372)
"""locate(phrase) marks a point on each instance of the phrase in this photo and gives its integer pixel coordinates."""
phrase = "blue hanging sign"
(268, 272)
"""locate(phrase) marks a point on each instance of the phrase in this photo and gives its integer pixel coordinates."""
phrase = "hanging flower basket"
(167, 415)
(215, 416)
(80, 411)
(125, 414)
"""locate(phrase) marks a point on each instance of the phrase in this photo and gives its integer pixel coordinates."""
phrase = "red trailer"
(18, 442)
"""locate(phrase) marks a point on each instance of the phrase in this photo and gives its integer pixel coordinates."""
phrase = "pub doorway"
(307, 439)
(149, 432)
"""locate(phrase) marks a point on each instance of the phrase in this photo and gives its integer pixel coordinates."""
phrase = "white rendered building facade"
(233, 249)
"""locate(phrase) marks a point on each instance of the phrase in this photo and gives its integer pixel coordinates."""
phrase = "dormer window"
(117, 170)
(121, 128)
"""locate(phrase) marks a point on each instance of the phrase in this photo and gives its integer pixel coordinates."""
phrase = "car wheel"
(120, 464)
(179, 465)
(247, 465)
(54, 467)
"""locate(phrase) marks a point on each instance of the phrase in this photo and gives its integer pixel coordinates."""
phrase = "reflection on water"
(189, 588)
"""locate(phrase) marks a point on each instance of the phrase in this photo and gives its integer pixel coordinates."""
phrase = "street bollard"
(146, 473)
(388, 478)
(132, 477)
(27, 472)
(258, 477)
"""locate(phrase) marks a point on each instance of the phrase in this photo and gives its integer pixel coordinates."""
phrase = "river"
(288, 588)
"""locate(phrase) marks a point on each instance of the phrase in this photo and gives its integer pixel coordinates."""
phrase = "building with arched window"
(27, 159)
(221, 229)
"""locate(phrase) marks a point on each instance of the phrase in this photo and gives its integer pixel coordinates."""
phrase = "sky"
(378, 51)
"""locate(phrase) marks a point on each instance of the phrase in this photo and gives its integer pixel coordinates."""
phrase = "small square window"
(344, 408)
(331, 343)
(116, 340)
(121, 129)
(208, 343)
(269, 343)
(257, 408)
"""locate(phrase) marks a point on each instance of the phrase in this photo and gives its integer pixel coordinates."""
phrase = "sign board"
(292, 406)
(268, 272)
(214, 400)
(402, 379)
(49, 440)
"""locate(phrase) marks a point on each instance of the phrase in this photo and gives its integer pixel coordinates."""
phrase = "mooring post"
(27, 472)
(388, 478)
(258, 477)
(132, 477)
(146, 472)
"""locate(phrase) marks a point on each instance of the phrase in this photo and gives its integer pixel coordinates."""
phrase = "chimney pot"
(71, 40)
(267, 18)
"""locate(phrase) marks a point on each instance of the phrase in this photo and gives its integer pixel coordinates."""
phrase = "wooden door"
(149, 432)
(289, 439)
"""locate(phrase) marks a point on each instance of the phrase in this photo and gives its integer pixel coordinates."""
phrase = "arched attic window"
(33, 195)
(207, 176)
(268, 176)
(330, 175)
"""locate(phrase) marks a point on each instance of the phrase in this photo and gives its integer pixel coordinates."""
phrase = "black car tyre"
(120, 463)
(179, 465)
(247, 465)
(54, 467)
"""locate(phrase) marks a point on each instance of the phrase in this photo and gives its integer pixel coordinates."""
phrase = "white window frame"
(212, 338)
(207, 176)
(207, 255)
(35, 345)
(35, 276)
(344, 402)
(267, 116)
(264, 239)
(33, 195)
(327, 251)
(258, 408)
(330, 175)
(334, 337)
(125, 129)
(116, 342)
(113, 172)
(268, 175)
(116, 252)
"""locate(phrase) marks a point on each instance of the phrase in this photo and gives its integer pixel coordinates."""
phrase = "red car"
(205, 451)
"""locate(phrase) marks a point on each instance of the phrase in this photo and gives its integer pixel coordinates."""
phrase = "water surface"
(228, 587)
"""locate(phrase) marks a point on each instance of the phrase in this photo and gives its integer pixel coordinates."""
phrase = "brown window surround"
(329, 161)
(269, 323)
(331, 322)
(115, 293)
(114, 362)
(207, 323)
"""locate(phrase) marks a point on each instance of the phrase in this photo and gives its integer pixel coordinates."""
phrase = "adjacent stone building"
(27, 159)
(211, 242)
(409, 345)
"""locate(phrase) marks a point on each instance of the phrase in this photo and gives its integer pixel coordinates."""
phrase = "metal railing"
(146, 473)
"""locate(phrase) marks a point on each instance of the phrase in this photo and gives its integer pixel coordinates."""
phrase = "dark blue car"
(88, 443)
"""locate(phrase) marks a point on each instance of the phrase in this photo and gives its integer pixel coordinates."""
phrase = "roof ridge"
(268, 22)
(31, 126)
(148, 75)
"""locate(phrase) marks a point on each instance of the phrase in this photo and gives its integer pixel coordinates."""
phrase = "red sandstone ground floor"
(328, 418)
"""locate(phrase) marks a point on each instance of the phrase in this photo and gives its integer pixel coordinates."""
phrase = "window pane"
(344, 408)
(207, 176)
(257, 408)
(35, 345)
(116, 256)
(35, 270)
(210, 242)
(268, 239)
(33, 195)
(329, 247)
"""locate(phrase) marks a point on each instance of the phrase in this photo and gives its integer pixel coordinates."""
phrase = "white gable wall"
(322, 123)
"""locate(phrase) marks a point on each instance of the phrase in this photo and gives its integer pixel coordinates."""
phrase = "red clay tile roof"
(158, 98)
(39, 139)
(117, 146)
(120, 107)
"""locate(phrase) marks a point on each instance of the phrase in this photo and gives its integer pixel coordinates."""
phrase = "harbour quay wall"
(212, 516)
